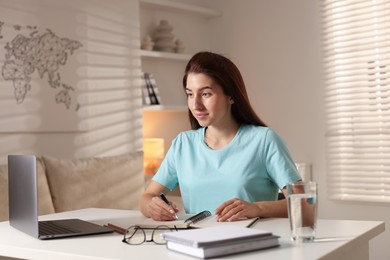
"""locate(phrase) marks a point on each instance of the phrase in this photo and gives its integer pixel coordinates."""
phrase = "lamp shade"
(153, 154)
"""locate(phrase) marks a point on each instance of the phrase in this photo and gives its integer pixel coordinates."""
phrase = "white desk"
(352, 245)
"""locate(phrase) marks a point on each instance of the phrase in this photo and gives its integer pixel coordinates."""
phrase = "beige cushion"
(106, 182)
(45, 204)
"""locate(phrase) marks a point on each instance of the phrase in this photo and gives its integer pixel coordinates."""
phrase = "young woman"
(230, 163)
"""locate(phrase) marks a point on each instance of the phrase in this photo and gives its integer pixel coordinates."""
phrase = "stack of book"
(219, 241)
(150, 91)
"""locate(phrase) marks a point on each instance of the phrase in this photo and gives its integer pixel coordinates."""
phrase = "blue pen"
(162, 196)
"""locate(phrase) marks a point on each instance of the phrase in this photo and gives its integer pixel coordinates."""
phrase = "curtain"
(356, 36)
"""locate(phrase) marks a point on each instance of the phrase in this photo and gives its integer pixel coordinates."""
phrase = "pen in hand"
(162, 196)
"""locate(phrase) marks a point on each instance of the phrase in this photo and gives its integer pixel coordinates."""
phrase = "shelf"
(178, 108)
(165, 55)
(182, 7)
(168, 66)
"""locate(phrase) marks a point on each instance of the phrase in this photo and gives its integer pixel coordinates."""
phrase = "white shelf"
(165, 108)
(165, 55)
(181, 7)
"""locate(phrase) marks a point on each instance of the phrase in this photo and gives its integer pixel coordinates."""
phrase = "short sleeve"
(167, 173)
(280, 165)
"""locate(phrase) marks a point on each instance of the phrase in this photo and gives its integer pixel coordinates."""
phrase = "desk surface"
(350, 235)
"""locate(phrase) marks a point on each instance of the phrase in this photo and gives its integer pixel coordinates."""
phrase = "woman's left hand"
(236, 209)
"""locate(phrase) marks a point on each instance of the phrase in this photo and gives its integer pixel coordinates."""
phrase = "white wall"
(110, 112)
(277, 46)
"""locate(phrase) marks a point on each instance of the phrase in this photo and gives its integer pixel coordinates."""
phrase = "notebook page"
(210, 221)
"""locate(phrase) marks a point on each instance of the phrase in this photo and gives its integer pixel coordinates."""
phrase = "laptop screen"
(23, 204)
(23, 198)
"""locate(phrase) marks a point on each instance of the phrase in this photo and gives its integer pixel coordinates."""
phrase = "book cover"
(214, 236)
(226, 248)
(208, 252)
(151, 95)
(145, 92)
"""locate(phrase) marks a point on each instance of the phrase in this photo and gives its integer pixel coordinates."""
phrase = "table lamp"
(153, 154)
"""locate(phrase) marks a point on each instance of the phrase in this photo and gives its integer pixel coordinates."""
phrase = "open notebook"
(200, 220)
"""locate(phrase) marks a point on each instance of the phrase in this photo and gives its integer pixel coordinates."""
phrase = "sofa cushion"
(45, 204)
(101, 182)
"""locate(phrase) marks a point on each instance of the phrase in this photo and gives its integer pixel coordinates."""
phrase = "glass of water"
(302, 210)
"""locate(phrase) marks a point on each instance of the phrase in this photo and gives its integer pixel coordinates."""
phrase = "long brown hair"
(227, 75)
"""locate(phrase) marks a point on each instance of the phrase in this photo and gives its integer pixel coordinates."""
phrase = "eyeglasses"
(135, 235)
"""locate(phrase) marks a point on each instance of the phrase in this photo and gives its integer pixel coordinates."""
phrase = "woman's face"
(206, 100)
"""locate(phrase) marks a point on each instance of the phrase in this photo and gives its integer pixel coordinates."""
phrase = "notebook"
(23, 205)
(217, 241)
(201, 220)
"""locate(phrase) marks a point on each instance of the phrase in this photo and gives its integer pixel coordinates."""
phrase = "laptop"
(23, 205)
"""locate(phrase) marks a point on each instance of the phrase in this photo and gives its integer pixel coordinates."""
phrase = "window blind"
(356, 36)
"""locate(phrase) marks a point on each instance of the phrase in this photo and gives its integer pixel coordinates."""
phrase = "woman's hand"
(159, 210)
(236, 209)
(152, 206)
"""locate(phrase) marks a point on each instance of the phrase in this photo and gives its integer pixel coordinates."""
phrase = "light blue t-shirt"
(252, 167)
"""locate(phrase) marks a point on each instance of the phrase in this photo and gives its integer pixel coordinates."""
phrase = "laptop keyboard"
(49, 228)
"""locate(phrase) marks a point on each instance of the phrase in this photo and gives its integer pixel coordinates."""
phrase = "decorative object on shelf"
(150, 93)
(147, 43)
(164, 38)
(153, 154)
(179, 46)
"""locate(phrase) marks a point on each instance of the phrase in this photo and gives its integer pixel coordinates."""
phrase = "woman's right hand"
(152, 206)
(159, 210)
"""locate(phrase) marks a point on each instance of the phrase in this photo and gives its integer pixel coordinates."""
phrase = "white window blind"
(356, 36)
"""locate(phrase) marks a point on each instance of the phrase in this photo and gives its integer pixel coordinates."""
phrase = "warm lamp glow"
(153, 154)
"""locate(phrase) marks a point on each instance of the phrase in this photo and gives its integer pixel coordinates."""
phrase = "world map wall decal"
(44, 53)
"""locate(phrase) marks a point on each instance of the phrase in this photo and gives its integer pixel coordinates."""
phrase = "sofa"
(97, 182)
(70, 184)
